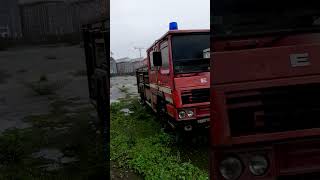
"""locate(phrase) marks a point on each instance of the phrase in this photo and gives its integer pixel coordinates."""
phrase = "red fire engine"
(265, 84)
(175, 82)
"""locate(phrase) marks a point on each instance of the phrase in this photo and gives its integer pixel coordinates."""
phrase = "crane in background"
(140, 49)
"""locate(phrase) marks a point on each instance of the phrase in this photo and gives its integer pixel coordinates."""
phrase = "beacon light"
(173, 26)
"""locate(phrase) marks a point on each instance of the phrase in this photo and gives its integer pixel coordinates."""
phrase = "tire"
(179, 137)
(162, 115)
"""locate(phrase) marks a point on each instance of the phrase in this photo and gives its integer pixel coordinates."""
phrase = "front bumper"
(192, 124)
(290, 160)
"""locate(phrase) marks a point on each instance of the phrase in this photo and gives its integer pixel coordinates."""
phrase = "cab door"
(164, 71)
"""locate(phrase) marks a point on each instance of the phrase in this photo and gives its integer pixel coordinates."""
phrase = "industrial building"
(137, 63)
(10, 25)
(113, 66)
(44, 20)
(126, 65)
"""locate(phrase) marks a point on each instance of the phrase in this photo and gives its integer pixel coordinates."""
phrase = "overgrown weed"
(137, 142)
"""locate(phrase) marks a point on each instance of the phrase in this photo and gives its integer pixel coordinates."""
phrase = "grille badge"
(299, 59)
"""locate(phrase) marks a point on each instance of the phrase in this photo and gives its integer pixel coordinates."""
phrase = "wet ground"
(44, 97)
(121, 86)
(24, 66)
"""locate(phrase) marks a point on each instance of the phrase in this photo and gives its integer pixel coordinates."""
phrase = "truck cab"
(178, 78)
(265, 83)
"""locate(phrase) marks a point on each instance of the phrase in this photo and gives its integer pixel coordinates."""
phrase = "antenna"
(140, 49)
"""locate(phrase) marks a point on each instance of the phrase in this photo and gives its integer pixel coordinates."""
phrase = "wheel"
(178, 136)
(163, 116)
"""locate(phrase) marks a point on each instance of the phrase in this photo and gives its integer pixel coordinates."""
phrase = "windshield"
(187, 53)
(241, 17)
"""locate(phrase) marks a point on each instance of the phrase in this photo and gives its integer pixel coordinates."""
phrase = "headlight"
(231, 168)
(258, 165)
(190, 113)
(182, 114)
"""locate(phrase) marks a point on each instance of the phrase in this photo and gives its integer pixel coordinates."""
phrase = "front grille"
(195, 96)
(275, 109)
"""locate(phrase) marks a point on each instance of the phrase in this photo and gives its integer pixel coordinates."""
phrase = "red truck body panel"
(242, 72)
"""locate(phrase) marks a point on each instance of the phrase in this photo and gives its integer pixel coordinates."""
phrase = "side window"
(151, 60)
(165, 55)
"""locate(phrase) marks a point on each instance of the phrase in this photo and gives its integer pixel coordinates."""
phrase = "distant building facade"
(42, 19)
(113, 66)
(125, 68)
(137, 63)
(127, 65)
(10, 25)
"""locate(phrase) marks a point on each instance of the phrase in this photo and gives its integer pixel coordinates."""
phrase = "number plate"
(200, 121)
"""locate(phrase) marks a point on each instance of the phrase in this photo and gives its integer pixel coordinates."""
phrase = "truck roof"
(180, 32)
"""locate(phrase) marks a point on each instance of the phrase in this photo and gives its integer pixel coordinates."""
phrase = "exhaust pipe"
(188, 128)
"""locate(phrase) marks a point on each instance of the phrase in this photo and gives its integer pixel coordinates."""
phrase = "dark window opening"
(165, 55)
(187, 53)
(248, 17)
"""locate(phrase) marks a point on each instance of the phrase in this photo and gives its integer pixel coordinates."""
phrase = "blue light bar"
(173, 26)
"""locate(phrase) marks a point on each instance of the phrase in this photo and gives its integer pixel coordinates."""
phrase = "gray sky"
(138, 23)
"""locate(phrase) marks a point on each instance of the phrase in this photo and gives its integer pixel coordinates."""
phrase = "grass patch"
(138, 143)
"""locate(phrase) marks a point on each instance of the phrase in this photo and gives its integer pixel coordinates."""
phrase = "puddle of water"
(126, 111)
(66, 160)
(50, 154)
(51, 167)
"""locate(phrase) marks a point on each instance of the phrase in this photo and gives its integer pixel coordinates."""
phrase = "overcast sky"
(138, 23)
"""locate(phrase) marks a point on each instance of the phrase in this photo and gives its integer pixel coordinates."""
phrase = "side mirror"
(157, 60)
(206, 53)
